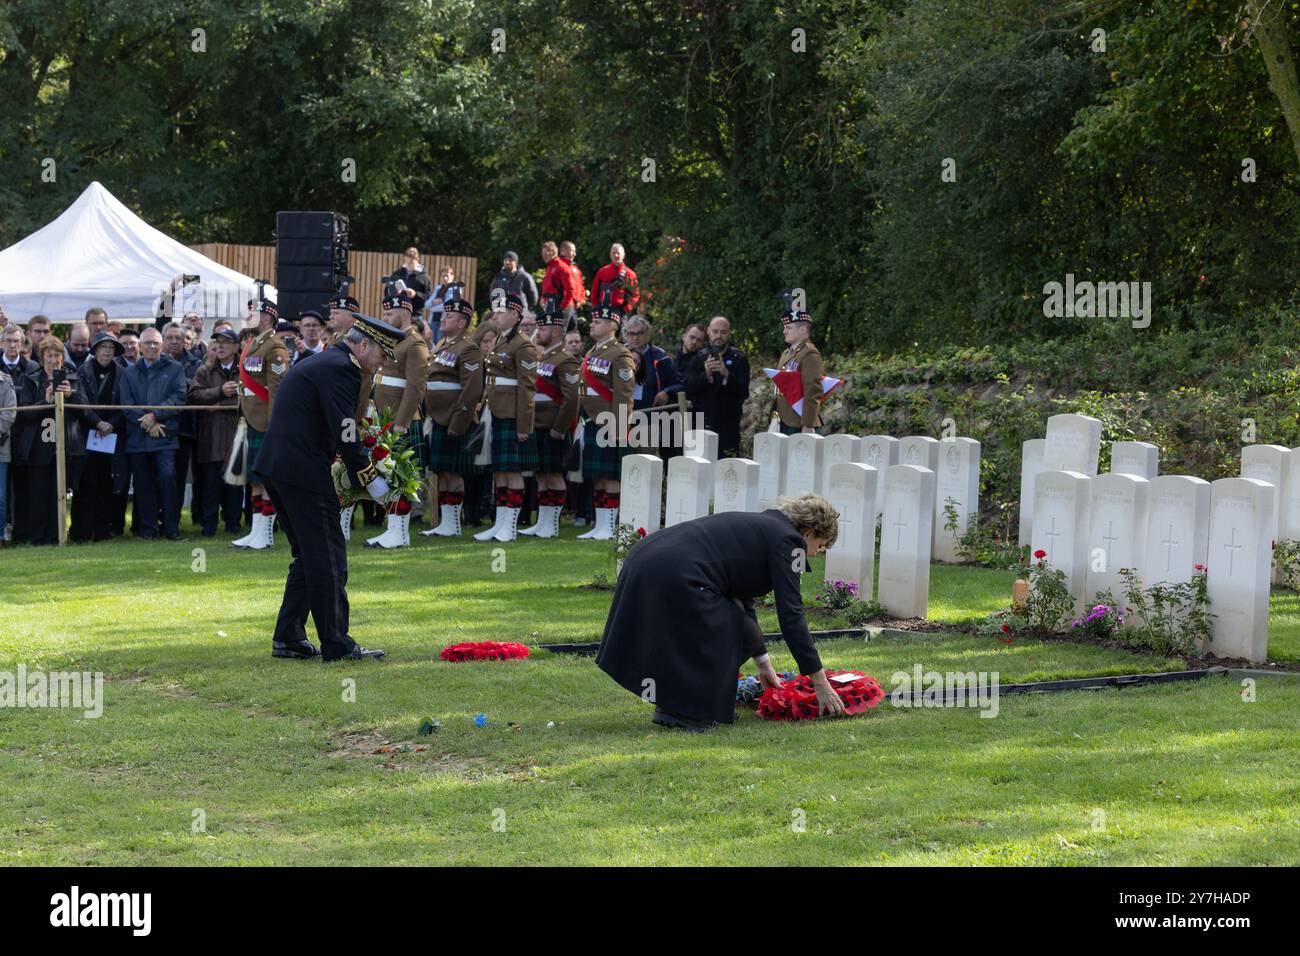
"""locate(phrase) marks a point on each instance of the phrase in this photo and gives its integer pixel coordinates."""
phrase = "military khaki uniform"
(805, 359)
(401, 381)
(455, 383)
(511, 369)
(563, 374)
(266, 362)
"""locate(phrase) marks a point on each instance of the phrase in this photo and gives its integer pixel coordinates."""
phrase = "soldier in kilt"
(557, 403)
(511, 383)
(608, 377)
(263, 363)
(400, 386)
(452, 393)
(800, 356)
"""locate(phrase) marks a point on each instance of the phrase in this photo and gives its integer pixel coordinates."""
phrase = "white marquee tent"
(99, 253)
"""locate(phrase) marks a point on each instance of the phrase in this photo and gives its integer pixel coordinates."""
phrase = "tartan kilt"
(551, 452)
(601, 461)
(414, 441)
(790, 429)
(255, 439)
(446, 452)
(508, 452)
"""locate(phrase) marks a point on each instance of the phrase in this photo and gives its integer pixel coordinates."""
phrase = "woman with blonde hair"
(682, 620)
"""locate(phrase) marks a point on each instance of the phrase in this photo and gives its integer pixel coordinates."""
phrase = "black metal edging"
(590, 647)
(1034, 687)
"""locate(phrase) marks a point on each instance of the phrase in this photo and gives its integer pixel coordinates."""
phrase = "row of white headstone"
(1161, 526)
(903, 483)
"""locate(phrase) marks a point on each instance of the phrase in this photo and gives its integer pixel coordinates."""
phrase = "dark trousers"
(19, 500)
(93, 502)
(40, 505)
(318, 572)
(578, 495)
(217, 496)
(184, 457)
(472, 506)
(154, 476)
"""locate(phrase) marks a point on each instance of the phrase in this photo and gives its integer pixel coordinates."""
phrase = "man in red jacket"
(563, 280)
(619, 280)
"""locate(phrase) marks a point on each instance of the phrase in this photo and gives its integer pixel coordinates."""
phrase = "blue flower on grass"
(480, 720)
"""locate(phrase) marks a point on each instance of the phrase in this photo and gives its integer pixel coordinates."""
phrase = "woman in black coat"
(683, 620)
(94, 497)
(42, 466)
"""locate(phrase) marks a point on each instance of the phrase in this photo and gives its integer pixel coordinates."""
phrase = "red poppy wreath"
(796, 699)
(484, 651)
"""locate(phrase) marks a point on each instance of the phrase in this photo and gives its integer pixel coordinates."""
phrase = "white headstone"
(803, 463)
(837, 449)
(1139, 458)
(958, 478)
(1241, 557)
(879, 451)
(1178, 529)
(1031, 463)
(907, 526)
(701, 443)
(1271, 463)
(1289, 522)
(1061, 500)
(641, 484)
(769, 452)
(919, 450)
(688, 489)
(1117, 531)
(735, 485)
(852, 491)
(1073, 444)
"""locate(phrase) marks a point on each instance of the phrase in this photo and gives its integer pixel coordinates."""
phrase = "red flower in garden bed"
(796, 699)
(484, 651)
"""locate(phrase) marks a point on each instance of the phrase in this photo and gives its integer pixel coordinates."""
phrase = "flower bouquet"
(393, 458)
(484, 651)
(796, 699)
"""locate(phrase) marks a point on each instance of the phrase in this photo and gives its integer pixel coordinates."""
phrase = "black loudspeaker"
(311, 259)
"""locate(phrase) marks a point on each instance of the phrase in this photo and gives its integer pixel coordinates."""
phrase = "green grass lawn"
(199, 717)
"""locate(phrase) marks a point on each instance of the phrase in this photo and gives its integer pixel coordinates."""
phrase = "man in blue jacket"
(151, 435)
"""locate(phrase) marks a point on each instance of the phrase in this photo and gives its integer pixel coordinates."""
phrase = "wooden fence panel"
(367, 268)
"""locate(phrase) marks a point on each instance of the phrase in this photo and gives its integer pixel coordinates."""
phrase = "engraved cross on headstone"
(1052, 533)
(899, 525)
(1169, 544)
(1233, 548)
(1108, 537)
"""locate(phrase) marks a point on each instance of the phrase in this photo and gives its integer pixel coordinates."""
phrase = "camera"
(59, 376)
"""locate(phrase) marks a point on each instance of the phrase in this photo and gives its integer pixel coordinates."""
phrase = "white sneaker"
(509, 526)
(345, 520)
(491, 532)
(398, 534)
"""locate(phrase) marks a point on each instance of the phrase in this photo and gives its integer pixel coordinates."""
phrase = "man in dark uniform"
(556, 404)
(802, 356)
(608, 378)
(511, 367)
(452, 393)
(314, 421)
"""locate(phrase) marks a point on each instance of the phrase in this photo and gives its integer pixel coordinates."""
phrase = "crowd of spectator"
(144, 459)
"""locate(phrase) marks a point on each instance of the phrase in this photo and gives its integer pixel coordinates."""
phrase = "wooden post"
(682, 417)
(61, 469)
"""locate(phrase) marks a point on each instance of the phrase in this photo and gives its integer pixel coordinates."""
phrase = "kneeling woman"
(683, 621)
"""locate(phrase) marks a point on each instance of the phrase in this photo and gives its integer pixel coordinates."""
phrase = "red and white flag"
(789, 382)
